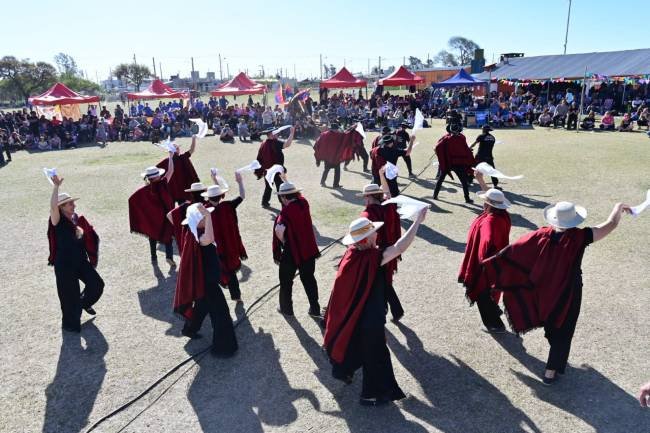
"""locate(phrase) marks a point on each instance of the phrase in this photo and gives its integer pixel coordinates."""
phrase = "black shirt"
(390, 154)
(402, 139)
(374, 312)
(69, 249)
(485, 146)
(211, 270)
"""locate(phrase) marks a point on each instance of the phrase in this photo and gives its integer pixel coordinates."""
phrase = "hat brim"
(185, 221)
(67, 200)
(161, 171)
(196, 190)
(364, 194)
(205, 194)
(349, 239)
(504, 205)
(550, 216)
(293, 191)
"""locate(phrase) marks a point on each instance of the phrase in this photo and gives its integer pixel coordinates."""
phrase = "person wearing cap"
(384, 131)
(488, 234)
(185, 173)
(269, 154)
(484, 153)
(356, 313)
(148, 209)
(177, 215)
(197, 286)
(454, 155)
(295, 249)
(230, 247)
(329, 148)
(387, 152)
(403, 140)
(541, 279)
(74, 251)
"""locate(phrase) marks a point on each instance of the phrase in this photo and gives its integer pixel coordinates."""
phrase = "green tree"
(132, 73)
(415, 63)
(461, 52)
(24, 77)
(66, 64)
(79, 84)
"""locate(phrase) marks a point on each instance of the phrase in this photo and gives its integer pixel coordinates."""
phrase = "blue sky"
(282, 34)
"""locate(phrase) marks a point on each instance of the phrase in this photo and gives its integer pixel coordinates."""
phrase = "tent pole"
(582, 100)
(623, 97)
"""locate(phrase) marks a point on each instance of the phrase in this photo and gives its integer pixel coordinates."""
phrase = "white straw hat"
(360, 229)
(495, 198)
(288, 188)
(565, 215)
(64, 198)
(371, 189)
(214, 191)
(196, 186)
(152, 172)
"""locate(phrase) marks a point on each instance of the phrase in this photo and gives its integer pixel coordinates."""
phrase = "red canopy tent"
(157, 90)
(401, 77)
(343, 79)
(239, 85)
(60, 94)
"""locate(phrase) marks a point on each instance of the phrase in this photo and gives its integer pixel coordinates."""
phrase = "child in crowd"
(607, 122)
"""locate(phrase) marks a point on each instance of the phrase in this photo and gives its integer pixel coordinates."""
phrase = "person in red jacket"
(269, 154)
(185, 174)
(295, 249)
(177, 215)
(454, 155)
(329, 150)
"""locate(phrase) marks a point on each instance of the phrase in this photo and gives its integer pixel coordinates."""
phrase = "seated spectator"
(43, 144)
(242, 130)
(607, 122)
(589, 122)
(545, 118)
(69, 140)
(55, 142)
(255, 131)
(227, 135)
(561, 112)
(572, 117)
(644, 119)
(626, 125)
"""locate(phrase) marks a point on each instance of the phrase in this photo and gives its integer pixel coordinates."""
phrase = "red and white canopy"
(157, 90)
(239, 85)
(60, 94)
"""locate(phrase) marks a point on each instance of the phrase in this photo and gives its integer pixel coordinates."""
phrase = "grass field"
(458, 378)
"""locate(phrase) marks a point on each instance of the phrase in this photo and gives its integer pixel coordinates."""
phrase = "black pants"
(287, 272)
(560, 338)
(233, 286)
(5, 148)
(277, 180)
(363, 153)
(558, 119)
(409, 164)
(462, 176)
(495, 181)
(489, 310)
(169, 249)
(67, 286)
(326, 171)
(572, 121)
(393, 302)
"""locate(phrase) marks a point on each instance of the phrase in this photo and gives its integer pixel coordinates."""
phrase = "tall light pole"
(568, 18)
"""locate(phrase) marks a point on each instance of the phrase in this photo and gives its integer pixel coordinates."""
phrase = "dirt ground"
(458, 378)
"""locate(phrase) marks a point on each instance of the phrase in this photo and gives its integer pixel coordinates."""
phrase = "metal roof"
(612, 64)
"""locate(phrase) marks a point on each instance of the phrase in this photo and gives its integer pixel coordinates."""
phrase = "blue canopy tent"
(461, 78)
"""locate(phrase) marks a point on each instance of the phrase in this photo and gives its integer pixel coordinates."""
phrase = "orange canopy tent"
(343, 79)
(157, 90)
(401, 77)
(60, 94)
(239, 85)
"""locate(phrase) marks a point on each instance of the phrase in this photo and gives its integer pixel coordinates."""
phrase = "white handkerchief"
(280, 129)
(203, 127)
(271, 172)
(418, 122)
(167, 146)
(415, 144)
(222, 182)
(636, 210)
(498, 142)
(49, 174)
(407, 207)
(250, 167)
(214, 171)
(360, 130)
(488, 170)
(391, 171)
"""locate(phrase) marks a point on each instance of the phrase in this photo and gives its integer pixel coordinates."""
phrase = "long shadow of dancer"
(156, 301)
(79, 376)
(243, 393)
(460, 399)
(436, 238)
(583, 391)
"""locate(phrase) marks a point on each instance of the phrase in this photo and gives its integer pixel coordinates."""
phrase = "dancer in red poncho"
(226, 233)
(177, 215)
(356, 314)
(541, 279)
(270, 154)
(74, 249)
(329, 149)
(184, 173)
(488, 234)
(295, 249)
(454, 155)
(376, 161)
(353, 143)
(148, 208)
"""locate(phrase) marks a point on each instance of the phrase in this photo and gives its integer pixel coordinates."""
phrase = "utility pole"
(193, 84)
(368, 67)
(153, 60)
(228, 70)
(160, 69)
(568, 18)
(321, 66)
(404, 61)
(134, 62)
(220, 69)
(379, 67)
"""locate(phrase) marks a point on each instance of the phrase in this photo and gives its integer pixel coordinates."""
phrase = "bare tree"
(132, 73)
(66, 64)
(461, 52)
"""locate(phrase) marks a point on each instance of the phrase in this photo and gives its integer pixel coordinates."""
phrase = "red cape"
(352, 285)
(148, 208)
(329, 147)
(183, 178)
(267, 156)
(389, 233)
(190, 285)
(229, 244)
(452, 151)
(178, 215)
(536, 274)
(90, 237)
(352, 145)
(376, 161)
(375, 142)
(488, 234)
(299, 232)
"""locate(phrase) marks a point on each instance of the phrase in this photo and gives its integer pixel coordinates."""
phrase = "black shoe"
(372, 401)
(90, 310)
(346, 379)
(338, 186)
(191, 335)
(548, 381)
(496, 329)
(499, 188)
(469, 200)
(412, 175)
(315, 313)
(435, 197)
(284, 312)
(266, 205)
(398, 317)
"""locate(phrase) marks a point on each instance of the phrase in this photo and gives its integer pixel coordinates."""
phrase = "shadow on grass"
(79, 376)
(156, 302)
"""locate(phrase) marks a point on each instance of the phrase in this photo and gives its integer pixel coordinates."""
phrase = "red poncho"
(452, 151)
(329, 147)
(389, 233)
(352, 145)
(190, 285)
(178, 215)
(376, 161)
(375, 142)
(148, 208)
(230, 247)
(299, 233)
(354, 279)
(488, 234)
(90, 238)
(183, 178)
(268, 155)
(537, 275)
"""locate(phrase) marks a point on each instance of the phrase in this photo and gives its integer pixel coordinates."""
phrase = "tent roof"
(157, 90)
(239, 85)
(401, 77)
(343, 79)
(60, 94)
(461, 78)
(612, 64)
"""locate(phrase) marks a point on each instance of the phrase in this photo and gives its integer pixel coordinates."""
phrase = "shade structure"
(157, 90)
(461, 78)
(343, 79)
(401, 77)
(60, 94)
(239, 85)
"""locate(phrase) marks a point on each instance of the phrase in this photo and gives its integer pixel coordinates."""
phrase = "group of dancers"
(537, 277)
